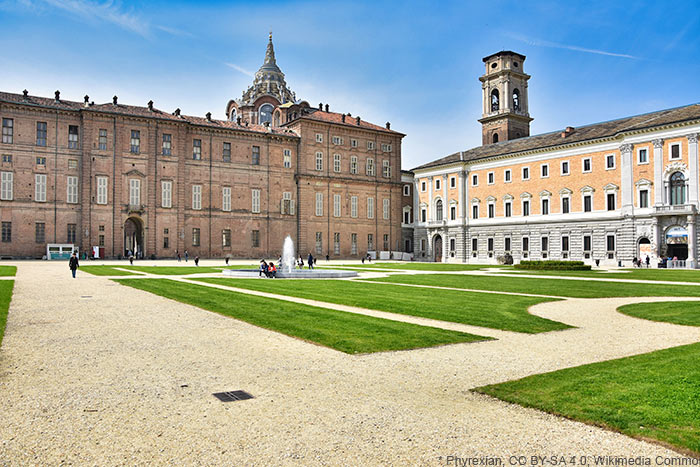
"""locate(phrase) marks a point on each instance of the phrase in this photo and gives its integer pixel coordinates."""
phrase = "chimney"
(569, 130)
(326, 107)
(320, 106)
(114, 100)
(58, 95)
(342, 117)
(177, 112)
(150, 106)
(209, 116)
(86, 101)
(26, 93)
(358, 120)
(388, 125)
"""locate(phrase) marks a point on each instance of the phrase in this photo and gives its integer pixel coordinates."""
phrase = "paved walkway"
(92, 372)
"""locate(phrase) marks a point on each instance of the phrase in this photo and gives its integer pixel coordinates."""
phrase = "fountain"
(287, 268)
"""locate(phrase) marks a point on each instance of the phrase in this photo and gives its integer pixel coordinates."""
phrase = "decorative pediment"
(133, 172)
(643, 182)
(611, 187)
(587, 189)
(526, 195)
(508, 197)
(424, 205)
(545, 194)
(565, 191)
(453, 202)
(491, 199)
(476, 201)
(676, 167)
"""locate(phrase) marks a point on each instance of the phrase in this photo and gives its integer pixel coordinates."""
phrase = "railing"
(675, 208)
(676, 264)
(136, 208)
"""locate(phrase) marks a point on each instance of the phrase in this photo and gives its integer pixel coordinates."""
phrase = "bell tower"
(505, 111)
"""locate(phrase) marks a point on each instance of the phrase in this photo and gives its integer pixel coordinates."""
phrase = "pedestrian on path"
(186, 256)
(310, 260)
(647, 261)
(196, 260)
(73, 264)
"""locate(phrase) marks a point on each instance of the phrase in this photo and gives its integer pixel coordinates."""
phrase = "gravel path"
(95, 373)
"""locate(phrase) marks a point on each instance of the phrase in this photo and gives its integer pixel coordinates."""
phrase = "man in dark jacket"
(73, 264)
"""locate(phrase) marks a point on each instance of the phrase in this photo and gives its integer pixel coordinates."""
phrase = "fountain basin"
(294, 274)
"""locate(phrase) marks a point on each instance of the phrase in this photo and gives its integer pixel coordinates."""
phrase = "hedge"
(554, 265)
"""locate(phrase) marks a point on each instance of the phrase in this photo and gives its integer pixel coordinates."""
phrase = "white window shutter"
(291, 207)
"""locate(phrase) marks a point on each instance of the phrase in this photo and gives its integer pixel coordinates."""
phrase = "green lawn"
(160, 270)
(505, 312)
(673, 275)
(421, 266)
(556, 287)
(105, 271)
(654, 395)
(347, 332)
(8, 270)
(686, 313)
(5, 296)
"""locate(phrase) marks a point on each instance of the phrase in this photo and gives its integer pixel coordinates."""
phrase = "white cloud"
(556, 45)
(108, 11)
(240, 69)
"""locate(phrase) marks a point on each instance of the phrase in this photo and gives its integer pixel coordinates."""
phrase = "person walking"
(73, 264)
(196, 260)
(227, 261)
(647, 261)
(177, 254)
(186, 256)
(310, 260)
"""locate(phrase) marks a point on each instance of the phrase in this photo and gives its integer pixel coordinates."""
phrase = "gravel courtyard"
(95, 373)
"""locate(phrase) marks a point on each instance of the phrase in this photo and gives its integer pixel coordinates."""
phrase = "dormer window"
(265, 113)
(494, 101)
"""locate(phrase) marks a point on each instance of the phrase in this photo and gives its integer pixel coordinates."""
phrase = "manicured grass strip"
(672, 275)
(556, 287)
(423, 266)
(175, 270)
(8, 270)
(654, 395)
(5, 296)
(347, 332)
(686, 313)
(105, 271)
(505, 312)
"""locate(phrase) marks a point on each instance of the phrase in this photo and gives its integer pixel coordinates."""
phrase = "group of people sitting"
(268, 269)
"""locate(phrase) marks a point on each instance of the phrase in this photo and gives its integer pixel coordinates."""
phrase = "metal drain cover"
(230, 396)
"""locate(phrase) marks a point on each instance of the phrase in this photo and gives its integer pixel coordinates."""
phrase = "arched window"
(265, 113)
(494, 101)
(516, 100)
(677, 188)
(495, 137)
(438, 210)
(233, 115)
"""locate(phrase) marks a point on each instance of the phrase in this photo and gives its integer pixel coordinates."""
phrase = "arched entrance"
(643, 249)
(677, 242)
(133, 237)
(437, 249)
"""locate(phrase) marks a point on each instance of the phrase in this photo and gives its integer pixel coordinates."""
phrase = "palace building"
(610, 191)
(139, 179)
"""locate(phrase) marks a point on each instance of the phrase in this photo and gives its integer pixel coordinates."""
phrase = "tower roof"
(270, 63)
(503, 52)
(268, 81)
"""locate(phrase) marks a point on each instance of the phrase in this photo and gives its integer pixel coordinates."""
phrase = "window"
(6, 232)
(101, 240)
(71, 230)
(490, 178)
(319, 204)
(506, 243)
(386, 209)
(336, 163)
(642, 156)
(610, 161)
(135, 141)
(370, 145)
(386, 242)
(197, 197)
(134, 192)
(386, 147)
(167, 145)
(336, 243)
(422, 186)
(370, 242)
(526, 244)
(7, 158)
(226, 238)
(407, 217)
(516, 100)
(508, 209)
(73, 137)
(72, 163)
(319, 243)
(319, 138)
(475, 211)
(526, 208)
(506, 176)
(353, 206)
(197, 149)
(319, 161)
(475, 245)
(370, 167)
(386, 169)
(353, 243)
(40, 161)
(544, 170)
(545, 206)
(101, 190)
(287, 203)
(643, 198)
(195, 236)
(610, 243)
(453, 182)
(587, 243)
(40, 187)
(40, 232)
(6, 188)
(565, 243)
(265, 113)
(437, 183)
(226, 198)
(8, 130)
(337, 140)
(407, 190)
(587, 203)
(336, 205)
(41, 133)
(586, 165)
(353, 143)
(166, 193)
(491, 210)
(226, 152)
(287, 159)
(675, 150)
(677, 188)
(475, 180)
(166, 239)
(438, 210)
(423, 215)
(545, 243)
(255, 197)
(611, 201)
(453, 213)
(495, 100)
(353, 164)
(72, 190)
(255, 156)
(565, 205)
(370, 208)
(526, 173)
(565, 168)
(255, 238)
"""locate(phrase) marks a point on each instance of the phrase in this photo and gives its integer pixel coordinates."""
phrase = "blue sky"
(415, 64)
